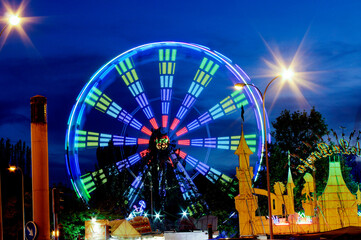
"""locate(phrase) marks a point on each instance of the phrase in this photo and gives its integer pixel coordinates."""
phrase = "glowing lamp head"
(14, 20)
(94, 220)
(157, 215)
(288, 74)
(239, 86)
(12, 168)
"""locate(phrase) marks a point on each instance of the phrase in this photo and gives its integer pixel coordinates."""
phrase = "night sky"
(69, 40)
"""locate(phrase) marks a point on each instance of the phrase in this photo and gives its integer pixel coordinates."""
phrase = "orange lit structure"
(40, 168)
(335, 208)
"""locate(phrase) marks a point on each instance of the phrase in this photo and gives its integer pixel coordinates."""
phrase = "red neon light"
(186, 142)
(174, 124)
(182, 131)
(181, 154)
(143, 141)
(154, 123)
(144, 153)
(164, 121)
(146, 130)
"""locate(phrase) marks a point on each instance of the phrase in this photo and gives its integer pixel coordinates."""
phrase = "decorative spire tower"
(246, 202)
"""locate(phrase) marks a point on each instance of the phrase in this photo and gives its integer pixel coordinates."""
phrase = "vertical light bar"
(167, 58)
(202, 78)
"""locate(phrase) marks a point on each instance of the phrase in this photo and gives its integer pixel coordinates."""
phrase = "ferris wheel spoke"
(202, 78)
(167, 58)
(211, 174)
(130, 77)
(90, 181)
(131, 160)
(135, 188)
(224, 143)
(87, 139)
(105, 104)
(190, 193)
(227, 106)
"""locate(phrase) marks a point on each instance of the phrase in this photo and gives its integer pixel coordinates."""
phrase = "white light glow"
(14, 20)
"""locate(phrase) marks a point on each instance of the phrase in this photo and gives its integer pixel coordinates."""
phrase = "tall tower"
(246, 202)
(40, 167)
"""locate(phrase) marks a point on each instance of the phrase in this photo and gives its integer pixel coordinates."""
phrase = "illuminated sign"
(325, 150)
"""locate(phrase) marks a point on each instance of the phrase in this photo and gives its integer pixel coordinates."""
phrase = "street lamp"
(287, 74)
(13, 20)
(13, 169)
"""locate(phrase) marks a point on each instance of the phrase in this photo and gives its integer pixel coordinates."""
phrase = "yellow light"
(94, 220)
(288, 74)
(14, 20)
(239, 86)
(12, 168)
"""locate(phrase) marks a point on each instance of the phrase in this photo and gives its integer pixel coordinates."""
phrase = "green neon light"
(90, 102)
(239, 98)
(80, 139)
(252, 149)
(86, 178)
(93, 133)
(250, 136)
(90, 138)
(205, 80)
(236, 137)
(81, 132)
(93, 96)
(125, 80)
(203, 63)
(231, 108)
(164, 68)
(244, 103)
(160, 55)
(104, 101)
(167, 53)
(129, 64)
(104, 181)
(119, 71)
(80, 145)
(214, 69)
(85, 190)
(174, 53)
(130, 78)
(235, 93)
(226, 104)
(225, 177)
(106, 97)
(196, 76)
(251, 142)
(97, 91)
(92, 144)
(200, 76)
(209, 65)
(135, 76)
(124, 68)
(169, 68)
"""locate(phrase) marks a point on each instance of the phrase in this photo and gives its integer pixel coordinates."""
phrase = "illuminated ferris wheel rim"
(240, 75)
(236, 70)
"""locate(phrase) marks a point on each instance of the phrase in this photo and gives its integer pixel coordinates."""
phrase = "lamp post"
(13, 169)
(287, 74)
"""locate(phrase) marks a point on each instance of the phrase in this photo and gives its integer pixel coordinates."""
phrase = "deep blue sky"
(72, 39)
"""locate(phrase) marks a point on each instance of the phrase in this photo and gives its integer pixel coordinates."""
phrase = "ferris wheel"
(173, 104)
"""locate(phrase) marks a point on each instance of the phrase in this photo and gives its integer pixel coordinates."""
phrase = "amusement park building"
(336, 208)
